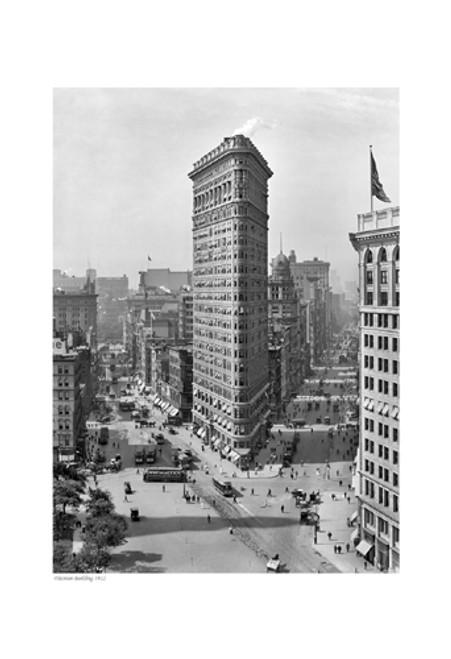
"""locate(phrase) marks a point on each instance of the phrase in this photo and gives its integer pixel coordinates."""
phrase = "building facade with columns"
(230, 297)
(377, 244)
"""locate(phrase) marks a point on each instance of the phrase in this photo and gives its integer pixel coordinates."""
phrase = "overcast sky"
(121, 159)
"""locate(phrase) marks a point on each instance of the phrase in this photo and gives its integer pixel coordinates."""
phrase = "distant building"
(285, 327)
(185, 318)
(166, 279)
(311, 279)
(377, 244)
(75, 314)
(351, 291)
(181, 380)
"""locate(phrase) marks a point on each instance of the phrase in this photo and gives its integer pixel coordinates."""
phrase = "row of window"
(369, 520)
(383, 452)
(381, 255)
(382, 299)
(383, 497)
(381, 320)
(382, 364)
(383, 276)
(369, 426)
(383, 472)
(368, 342)
(383, 386)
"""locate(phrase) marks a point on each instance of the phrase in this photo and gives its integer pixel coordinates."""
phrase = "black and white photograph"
(202, 329)
(226, 318)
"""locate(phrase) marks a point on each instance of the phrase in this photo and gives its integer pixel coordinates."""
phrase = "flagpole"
(371, 180)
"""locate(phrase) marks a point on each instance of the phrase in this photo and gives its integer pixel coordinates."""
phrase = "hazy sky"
(121, 159)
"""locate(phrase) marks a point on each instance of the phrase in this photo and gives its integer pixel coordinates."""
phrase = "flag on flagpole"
(376, 186)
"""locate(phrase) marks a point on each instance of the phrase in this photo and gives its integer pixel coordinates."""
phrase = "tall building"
(185, 319)
(377, 244)
(230, 297)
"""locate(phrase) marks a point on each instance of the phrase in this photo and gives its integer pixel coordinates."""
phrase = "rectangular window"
(379, 343)
(386, 453)
(369, 276)
(395, 479)
(395, 389)
(369, 299)
(386, 498)
(386, 430)
(371, 383)
(395, 535)
(380, 449)
(365, 340)
(381, 495)
(385, 342)
(371, 341)
(380, 384)
(380, 472)
(395, 504)
(383, 526)
(367, 444)
(371, 447)
(371, 362)
(379, 363)
(365, 381)
(395, 345)
(395, 434)
(379, 320)
(365, 361)
(383, 299)
(384, 277)
(386, 475)
(395, 321)
(395, 367)
(385, 387)
(397, 299)
(395, 457)
(372, 425)
(385, 365)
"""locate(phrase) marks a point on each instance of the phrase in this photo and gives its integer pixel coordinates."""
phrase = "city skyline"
(121, 157)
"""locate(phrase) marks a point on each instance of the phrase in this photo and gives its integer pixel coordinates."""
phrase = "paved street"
(175, 536)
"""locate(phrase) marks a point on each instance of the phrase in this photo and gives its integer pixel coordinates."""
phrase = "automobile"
(298, 493)
(135, 415)
(159, 437)
(172, 430)
(134, 514)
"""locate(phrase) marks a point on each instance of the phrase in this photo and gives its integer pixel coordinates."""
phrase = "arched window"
(382, 256)
(396, 253)
(368, 256)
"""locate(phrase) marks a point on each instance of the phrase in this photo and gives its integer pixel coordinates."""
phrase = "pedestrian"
(269, 492)
(163, 488)
(348, 546)
(252, 491)
(329, 535)
(365, 565)
(339, 549)
(335, 549)
(282, 508)
(213, 503)
(198, 499)
(291, 476)
(208, 519)
(286, 489)
(125, 498)
(230, 530)
(137, 471)
(349, 486)
(340, 483)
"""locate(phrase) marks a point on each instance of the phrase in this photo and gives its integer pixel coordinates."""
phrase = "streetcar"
(164, 475)
(224, 487)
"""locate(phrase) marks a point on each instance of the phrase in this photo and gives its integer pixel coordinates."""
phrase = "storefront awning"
(227, 449)
(199, 432)
(216, 442)
(364, 547)
(379, 407)
(354, 516)
(366, 402)
(354, 534)
(234, 456)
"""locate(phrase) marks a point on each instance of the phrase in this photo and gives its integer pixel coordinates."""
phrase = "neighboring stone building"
(377, 244)
(70, 404)
(230, 244)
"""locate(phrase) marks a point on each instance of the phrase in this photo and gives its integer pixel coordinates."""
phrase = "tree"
(67, 493)
(91, 558)
(62, 558)
(106, 530)
(100, 503)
